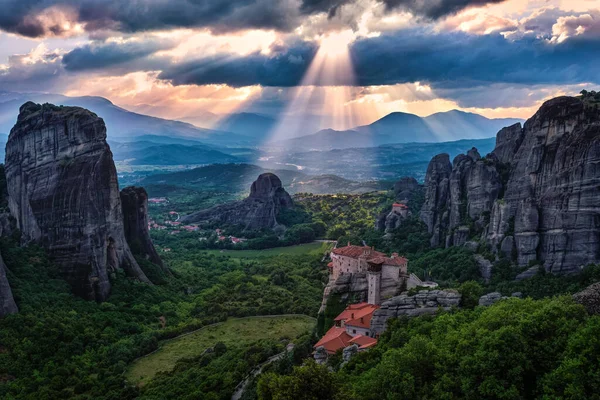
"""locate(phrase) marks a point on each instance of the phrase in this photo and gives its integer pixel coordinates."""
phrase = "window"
(353, 330)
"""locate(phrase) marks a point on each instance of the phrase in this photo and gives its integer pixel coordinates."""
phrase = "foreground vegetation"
(60, 346)
(234, 331)
(516, 349)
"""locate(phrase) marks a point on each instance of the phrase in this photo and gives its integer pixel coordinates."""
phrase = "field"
(233, 331)
(314, 248)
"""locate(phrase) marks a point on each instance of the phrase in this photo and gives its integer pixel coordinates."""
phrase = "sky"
(346, 62)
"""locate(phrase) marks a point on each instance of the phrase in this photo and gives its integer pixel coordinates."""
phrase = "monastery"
(385, 277)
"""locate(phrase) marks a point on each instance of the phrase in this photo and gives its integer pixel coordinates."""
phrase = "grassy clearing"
(315, 248)
(233, 331)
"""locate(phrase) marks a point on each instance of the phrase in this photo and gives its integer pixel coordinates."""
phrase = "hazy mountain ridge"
(401, 127)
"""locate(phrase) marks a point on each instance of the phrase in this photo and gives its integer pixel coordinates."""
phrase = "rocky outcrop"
(434, 212)
(459, 196)
(350, 286)
(424, 302)
(406, 192)
(492, 298)
(589, 298)
(63, 193)
(134, 201)
(259, 210)
(7, 302)
(535, 197)
(405, 187)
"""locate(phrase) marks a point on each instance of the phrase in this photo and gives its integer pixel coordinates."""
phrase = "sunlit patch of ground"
(235, 331)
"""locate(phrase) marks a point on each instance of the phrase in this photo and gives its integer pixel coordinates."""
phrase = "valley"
(222, 265)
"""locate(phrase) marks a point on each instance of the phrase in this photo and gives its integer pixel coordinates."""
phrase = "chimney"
(394, 255)
(348, 243)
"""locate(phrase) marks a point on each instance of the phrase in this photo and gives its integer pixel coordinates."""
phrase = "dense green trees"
(516, 349)
(60, 346)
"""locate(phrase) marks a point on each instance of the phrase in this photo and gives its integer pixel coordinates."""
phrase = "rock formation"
(534, 198)
(135, 223)
(7, 303)
(424, 302)
(63, 193)
(405, 187)
(589, 298)
(259, 210)
(405, 191)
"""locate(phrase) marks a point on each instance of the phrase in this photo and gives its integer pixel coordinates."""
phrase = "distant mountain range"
(121, 124)
(403, 128)
(251, 129)
(256, 126)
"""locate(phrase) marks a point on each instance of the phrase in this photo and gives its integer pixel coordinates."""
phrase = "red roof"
(330, 265)
(356, 251)
(351, 309)
(400, 205)
(397, 261)
(358, 315)
(363, 341)
(335, 339)
(362, 318)
(373, 256)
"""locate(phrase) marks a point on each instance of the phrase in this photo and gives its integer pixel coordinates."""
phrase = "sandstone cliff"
(259, 210)
(7, 303)
(63, 193)
(135, 222)
(535, 197)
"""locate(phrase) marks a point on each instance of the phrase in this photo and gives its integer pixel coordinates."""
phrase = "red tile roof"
(363, 341)
(373, 256)
(330, 265)
(351, 309)
(358, 315)
(397, 261)
(356, 251)
(400, 205)
(335, 339)
(362, 318)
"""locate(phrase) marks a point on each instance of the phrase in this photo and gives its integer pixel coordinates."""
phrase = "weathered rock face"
(404, 188)
(63, 193)
(7, 302)
(134, 201)
(434, 212)
(589, 298)
(259, 210)
(424, 302)
(457, 195)
(536, 197)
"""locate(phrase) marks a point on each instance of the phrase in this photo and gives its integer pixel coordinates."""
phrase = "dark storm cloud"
(459, 59)
(39, 18)
(285, 68)
(103, 55)
(432, 9)
(31, 17)
(448, 60)
(435, 9)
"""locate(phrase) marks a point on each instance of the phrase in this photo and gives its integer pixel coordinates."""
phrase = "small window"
(353, 330)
